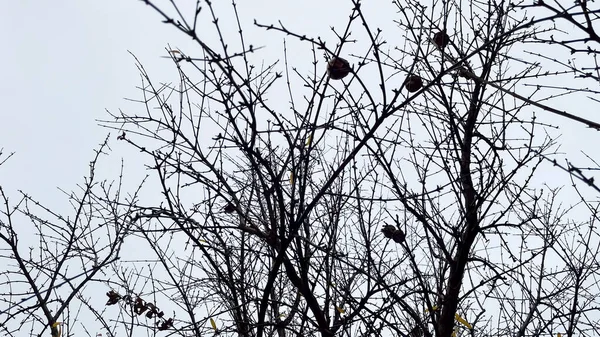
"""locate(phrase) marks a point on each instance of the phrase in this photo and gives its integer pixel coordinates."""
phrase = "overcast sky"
(64, 63)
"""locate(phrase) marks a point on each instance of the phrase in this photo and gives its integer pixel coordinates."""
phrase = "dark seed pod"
(113, 297)
(338, 68)
(388, 231)
(229, 208)
(398, 236)
(441, 39)
(413, 83)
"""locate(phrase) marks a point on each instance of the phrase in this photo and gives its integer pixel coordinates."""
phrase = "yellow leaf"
(463, 321)
(559, 335)
(282, 315)
(341, 310)
(214, 325)
(434, 308)
(309, 140)
(292, 178)
(56, 330)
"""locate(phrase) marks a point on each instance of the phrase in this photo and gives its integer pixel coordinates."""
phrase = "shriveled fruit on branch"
(113, 297)
(165, 325)
(393, 233)
(139, 307)
(398, 236)
(413, 83)
(388, 231)
(338, 68)
(153, 310)
(127, 299)
(230, 208)
(441, 39)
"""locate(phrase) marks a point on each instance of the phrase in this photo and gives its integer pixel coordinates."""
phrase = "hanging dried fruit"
(441, 39)
(230, 208)
(165, 325)
(113, 297)
(413, 83)
(152, 310)
(398, 236)
(139, 307)
(388, 231)
(338, 68)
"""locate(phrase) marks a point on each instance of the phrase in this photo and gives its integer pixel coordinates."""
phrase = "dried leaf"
(308, 140)
(139, 307)
(55, 329)
(434, 308)
(113, 297)
(165, 325)
(292, 178)
(341, 310)
(213, 324)
(463, 321)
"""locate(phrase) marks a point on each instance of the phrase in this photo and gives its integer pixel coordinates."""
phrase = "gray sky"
(65, 62)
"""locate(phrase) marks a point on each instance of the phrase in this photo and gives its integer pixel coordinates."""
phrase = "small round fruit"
(388, 231)
(399, 236)
(230, 208)
(441, 39)
(338, 68)
(413, 83)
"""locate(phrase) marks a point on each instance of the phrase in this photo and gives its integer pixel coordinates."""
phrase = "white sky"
(65, 62)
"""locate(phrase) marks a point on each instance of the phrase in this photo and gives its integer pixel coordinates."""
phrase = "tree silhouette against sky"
(396, 183)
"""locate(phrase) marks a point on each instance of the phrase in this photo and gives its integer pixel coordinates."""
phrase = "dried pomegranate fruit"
(338, 68)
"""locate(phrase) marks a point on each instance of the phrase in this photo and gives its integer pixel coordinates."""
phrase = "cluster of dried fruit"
(391, 232)
(338, 68)
(139, 307)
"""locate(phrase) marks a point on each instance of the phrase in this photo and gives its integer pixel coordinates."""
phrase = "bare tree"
(50, 258)
(394, 194)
